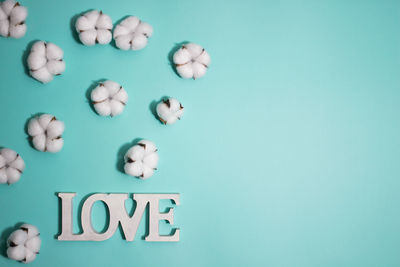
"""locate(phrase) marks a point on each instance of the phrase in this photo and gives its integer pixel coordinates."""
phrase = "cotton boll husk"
(39, 142)
(54, 145)
(123, 42)
(103, 36)
(17, 31)
(55, 129)
(18, 14)
(55, 67)
(198, 70)
(36, 60)
(194, 49)
(42, 75)
(185, 71)
(16, 253)
(54, 52)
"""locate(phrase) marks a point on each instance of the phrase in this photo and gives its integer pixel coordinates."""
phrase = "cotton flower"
(132, 33)
(141, 160)
(45, 60)
(109, 98)
(24, 244)
(11, 166)
(94, 27)
(12, 19)
(169, 110)
(191, 61)
(45, 131)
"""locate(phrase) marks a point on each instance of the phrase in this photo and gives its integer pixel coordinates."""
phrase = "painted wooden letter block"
(118, 215)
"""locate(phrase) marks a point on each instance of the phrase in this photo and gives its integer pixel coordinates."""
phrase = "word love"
(118, 215)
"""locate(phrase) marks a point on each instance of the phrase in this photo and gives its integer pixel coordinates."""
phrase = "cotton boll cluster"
(169, 110)
(11, 166)
(24, 244)
(45, 131)
(191, 61)
(141, 160)
(12, 19)
(132, 33)
(109, 98)
(45, 60)
(94, 27)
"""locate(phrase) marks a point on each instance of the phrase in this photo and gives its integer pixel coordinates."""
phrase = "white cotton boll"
(141, 160)
(109, 98)
(12, 19)
(94, 27)
(191, 61)
(11, 166)
(24, 244)
(169, 110)
(132, 34)
(55, 67)
(46, 133)
(45, 61)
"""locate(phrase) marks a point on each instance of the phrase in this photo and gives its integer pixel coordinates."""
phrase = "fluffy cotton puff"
(45, 61)
(94, 27)
(191, 61)
(132, 33)
(11, 166)
(169, 110)
(45, 131)
(141, 160)
(109, 98)
(24, 244)
(12, 19)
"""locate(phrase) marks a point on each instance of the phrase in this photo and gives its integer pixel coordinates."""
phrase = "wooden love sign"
(118, 215)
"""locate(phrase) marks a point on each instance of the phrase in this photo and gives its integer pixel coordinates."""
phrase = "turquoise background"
(287, 154)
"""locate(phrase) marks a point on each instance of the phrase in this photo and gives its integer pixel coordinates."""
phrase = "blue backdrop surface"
(287, 154)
